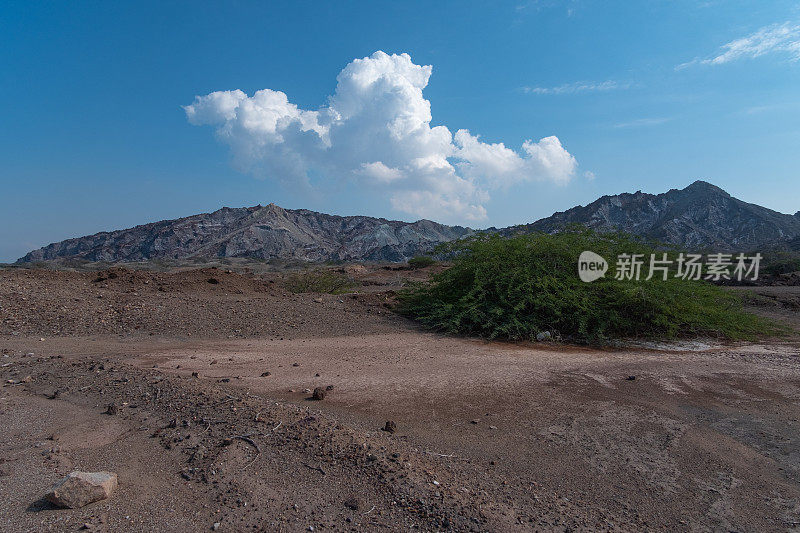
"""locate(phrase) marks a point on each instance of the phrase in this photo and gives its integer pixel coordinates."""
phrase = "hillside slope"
(264, 232)
(701, 215)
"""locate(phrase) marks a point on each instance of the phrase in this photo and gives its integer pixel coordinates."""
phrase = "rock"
(390, 426)
(329, 388)
(475, 421)
(266, 374)
(111, 409)
(352, 504)
(295, 364)
(213, 281)
(319, 394)
(215, 526)
(631, 378)
(318, 300)
(544, 336)
(82, 488)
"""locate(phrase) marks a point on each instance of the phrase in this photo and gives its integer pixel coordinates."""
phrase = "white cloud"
(376, 130)
(776, 38)
(579, 87)
(640, 122)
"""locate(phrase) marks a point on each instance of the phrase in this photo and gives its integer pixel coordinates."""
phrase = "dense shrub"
(782, 263)
(514, 288)
(421, 261)
(318, 280)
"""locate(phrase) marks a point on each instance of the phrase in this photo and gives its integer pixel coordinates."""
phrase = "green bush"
(318, 280)
(421, 261)
(782, 263)
(514, 288)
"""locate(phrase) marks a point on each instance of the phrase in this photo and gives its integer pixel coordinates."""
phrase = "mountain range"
(698, 216)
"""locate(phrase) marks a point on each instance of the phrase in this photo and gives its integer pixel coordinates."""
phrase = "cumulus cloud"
(376, 130)
(776, 38)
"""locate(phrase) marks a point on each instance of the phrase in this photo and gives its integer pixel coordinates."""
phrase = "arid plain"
(210, 372)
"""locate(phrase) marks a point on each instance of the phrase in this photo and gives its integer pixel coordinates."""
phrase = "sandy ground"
(490, 436)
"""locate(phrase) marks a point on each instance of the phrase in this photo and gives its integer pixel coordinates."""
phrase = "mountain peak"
(704, 187)
(699, 216)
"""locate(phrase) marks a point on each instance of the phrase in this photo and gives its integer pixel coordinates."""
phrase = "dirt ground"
(215, 426)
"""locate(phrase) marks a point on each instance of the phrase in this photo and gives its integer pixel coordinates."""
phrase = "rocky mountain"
(264, 232)
(699, 216)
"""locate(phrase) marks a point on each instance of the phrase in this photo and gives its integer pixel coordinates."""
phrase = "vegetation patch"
(517, 287)
(421, 261)
(318, 280)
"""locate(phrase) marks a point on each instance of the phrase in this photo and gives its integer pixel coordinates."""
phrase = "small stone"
(215, 526)
(318, 300)
(111, 409)
(266, 374)
(319, 394)
(390, 426)
(329, 388)
(352, 504)
(295, 364)
(631, 378)
(543, 336)
(82, 488)
(475, 421)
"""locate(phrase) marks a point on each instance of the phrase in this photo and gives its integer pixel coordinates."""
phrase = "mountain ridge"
(701, 215)
(264, 232)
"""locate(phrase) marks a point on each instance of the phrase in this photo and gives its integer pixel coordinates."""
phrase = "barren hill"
(700, 216)
(264, 232)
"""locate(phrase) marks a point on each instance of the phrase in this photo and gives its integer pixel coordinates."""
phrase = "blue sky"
(640, 95)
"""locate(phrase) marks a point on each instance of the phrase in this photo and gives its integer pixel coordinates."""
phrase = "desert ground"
(210, 372)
